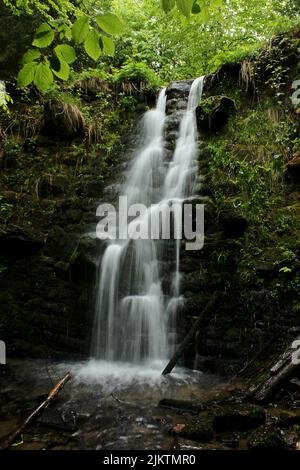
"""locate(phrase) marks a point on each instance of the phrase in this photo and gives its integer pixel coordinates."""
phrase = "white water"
(133, 314)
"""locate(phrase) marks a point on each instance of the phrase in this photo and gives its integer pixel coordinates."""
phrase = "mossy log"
(283, 369)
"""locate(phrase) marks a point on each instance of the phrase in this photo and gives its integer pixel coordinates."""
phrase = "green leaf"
(80, 29)
(60, 68)
(110, 23)
(44, 36)
(204, 11)
(108, 45)
(91, 44)
(66, 53)
(19, 442)
(185, 6)
(43, 77)
(168, 5)
(285, 270)
(64, 71)
(30, 56)
(196, 8)
(26, 74)
(218, 3)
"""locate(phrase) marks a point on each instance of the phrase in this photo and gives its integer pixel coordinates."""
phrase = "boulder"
(201, 430)
(238, 417)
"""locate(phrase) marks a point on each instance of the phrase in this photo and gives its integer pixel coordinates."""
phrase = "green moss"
(267, 438)
(201, 430)
(238, 417)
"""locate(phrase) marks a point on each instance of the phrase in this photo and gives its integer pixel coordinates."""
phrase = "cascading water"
(132, 311)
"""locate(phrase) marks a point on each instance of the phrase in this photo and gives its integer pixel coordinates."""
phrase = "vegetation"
(91, 68)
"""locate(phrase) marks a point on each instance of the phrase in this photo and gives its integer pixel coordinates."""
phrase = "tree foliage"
(65, 25)
(175, 38)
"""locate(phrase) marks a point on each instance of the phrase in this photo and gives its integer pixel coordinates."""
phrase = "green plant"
(232, 56)
(2, 269)
(6, 210)
(137, 73)
(66, 25)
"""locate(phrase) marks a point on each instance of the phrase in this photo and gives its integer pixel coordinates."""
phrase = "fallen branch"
(54, 392)
(178, 353)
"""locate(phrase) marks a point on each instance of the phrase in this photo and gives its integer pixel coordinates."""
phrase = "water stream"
(133, 310)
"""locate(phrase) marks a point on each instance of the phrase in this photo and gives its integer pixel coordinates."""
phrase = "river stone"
(201, 430)
(265, 438)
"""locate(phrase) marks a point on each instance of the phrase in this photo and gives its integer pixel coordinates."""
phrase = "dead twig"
(53, 393)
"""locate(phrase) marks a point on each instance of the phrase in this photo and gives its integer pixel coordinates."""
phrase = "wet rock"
(183, 405)
(285, 417)
(52, 418)
(179, 89)
(267, 438)
(18, 241)
(60, 244)
(213, 113)
(238, 417)
(201, 430)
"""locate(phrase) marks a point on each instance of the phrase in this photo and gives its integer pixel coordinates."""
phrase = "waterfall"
(132, 311)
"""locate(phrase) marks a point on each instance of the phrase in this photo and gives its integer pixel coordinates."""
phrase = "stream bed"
(106, 405)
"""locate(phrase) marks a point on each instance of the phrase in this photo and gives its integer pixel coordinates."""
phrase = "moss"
(201, 430)
(267, 438)
(238, 417)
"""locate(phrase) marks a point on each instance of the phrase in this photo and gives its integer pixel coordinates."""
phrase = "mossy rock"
(238, 417)
(267, 437)
(200, 431)
(213, 113)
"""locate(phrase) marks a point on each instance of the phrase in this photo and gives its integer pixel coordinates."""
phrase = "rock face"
(16, 241)
(63, 120)
(293, 168)
(213, 113)
(48, 265)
